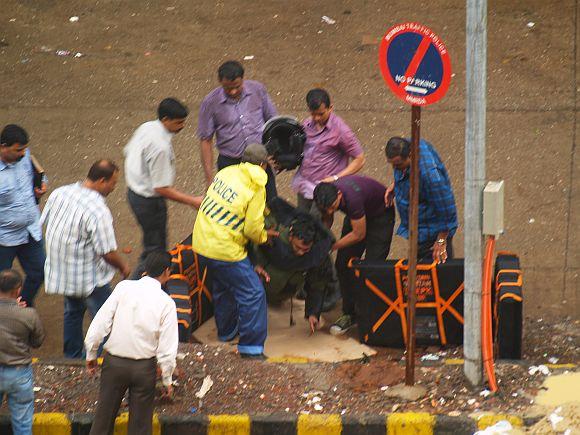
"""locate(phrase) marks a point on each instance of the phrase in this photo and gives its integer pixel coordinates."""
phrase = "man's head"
(318, 102)
(256, 154)
(398, 151)
(158, 265)
(10, 283)
(13, 143)
(327, 198)
(231, 77)
(301, 235)
(172, 114)
(103, 176)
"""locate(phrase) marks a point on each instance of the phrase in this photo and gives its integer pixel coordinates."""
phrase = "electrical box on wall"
(493, 208)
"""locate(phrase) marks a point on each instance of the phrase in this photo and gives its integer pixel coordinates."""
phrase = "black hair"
(325, 194)
(9, 280)
(103, 168)
(12, 134)
(397, 146)
(316, 97)
(171, 108)
(303, 228)
(230, 70)
(156, 262)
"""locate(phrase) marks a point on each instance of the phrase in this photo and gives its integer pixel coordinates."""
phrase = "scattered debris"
(541, 369)
(205, 387)
(430, 357)
(250, 57)
(36, 389)
(485, 393)
(328, 20)
(62, 52)
(531, 24)
(553, 360)
(501, 427)
(73, 19)
(531, 221)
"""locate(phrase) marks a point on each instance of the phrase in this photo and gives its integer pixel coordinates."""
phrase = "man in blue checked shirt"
(437, 211)
(20, 232)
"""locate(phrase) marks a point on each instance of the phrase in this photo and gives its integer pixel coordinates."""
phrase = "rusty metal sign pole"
(413, 244)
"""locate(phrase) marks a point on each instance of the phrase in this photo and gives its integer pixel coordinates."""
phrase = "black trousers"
(151, 214)
(376, 246)
(271, 191)
(118, 375)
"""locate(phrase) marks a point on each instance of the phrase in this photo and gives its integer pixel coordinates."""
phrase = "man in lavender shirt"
(331, 150)
(235, 113)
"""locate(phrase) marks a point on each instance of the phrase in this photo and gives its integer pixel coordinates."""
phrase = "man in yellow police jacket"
(231, 215)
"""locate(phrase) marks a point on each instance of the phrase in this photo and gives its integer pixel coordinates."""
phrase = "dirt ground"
(355, 387)
(126, 56)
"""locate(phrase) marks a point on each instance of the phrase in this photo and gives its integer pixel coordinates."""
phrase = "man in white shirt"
(142, 322)
(150, 174)
(81, 249)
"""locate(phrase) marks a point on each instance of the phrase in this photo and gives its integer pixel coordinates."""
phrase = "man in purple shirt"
(235, 113)
(368, 227)
(331, 151)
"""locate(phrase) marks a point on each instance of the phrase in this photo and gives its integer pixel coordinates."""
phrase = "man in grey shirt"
(20, 329)
(150, 174)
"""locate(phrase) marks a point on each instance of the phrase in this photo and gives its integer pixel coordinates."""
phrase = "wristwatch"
(441, 241)
(335, 177)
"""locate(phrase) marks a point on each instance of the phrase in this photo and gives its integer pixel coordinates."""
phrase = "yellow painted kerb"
(51, 423)
(122, 421)
(319, 424)
(487, 420)
(453, 361)
(229, 425)
(407, 423)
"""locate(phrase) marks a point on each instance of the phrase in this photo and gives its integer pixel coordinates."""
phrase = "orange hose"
(486, 320)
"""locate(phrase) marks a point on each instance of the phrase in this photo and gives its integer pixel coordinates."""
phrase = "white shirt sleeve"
(102, 323)
(168, 342)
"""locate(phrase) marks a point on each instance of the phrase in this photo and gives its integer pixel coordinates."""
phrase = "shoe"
(255, 356)
(342, 325)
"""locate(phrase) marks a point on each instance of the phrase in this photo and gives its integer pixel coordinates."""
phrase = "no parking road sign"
(415, 64)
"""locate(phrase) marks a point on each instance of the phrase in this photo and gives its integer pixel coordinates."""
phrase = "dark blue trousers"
(31, 257)
(239, 301)
(74, 313)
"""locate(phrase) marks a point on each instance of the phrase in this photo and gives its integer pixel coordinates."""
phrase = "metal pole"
(476, 64)
(413, 242)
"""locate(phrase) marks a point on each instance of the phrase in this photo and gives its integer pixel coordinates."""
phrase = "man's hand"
(168, 393)
(195, 201)
(92, 366)
(39, 192)
(314, 322)
(21, 303)
(328, 180)
(440, 252)
(390, 195)
(272, 234)
(262, 273)
(125, 271)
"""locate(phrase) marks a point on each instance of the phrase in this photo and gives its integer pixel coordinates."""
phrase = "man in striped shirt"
(81, 249)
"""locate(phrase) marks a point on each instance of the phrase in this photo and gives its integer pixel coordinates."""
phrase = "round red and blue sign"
(415, 64)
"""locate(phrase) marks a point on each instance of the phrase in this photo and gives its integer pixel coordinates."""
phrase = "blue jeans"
(31, 257)
(239, 301)
(74, 312)
(16, 383)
